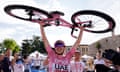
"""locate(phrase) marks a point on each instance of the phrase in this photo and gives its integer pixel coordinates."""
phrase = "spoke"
(97, 22)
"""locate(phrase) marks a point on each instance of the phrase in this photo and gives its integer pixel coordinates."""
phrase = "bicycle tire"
(8, 9)
(102, 15)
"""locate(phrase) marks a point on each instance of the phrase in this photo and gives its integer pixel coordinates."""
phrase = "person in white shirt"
(99, 59)
(99, 62)
(76, 64)
(37, 62)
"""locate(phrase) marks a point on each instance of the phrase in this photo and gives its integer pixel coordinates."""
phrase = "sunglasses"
(59, 45)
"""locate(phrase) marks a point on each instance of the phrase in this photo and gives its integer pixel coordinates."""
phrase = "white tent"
(36, 52)
(86, 56)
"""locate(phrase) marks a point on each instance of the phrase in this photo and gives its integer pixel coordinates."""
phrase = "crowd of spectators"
(17, 63)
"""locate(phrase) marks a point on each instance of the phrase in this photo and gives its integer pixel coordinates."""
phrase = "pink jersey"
(59, 63)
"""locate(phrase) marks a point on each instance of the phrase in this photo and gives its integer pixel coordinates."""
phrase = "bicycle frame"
(62, 22)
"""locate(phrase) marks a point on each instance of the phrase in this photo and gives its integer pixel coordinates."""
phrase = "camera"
(112, 55)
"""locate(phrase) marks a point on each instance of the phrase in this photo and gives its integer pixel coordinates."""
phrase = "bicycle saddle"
(57, 12)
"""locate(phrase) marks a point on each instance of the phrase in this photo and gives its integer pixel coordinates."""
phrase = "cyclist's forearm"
(43, 33)
(78, 39)
(44, 38)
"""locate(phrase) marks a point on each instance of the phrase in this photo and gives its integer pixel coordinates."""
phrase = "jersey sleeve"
(50, 51)
(71, 53)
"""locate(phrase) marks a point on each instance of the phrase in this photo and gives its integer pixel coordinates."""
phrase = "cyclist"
(57, 61)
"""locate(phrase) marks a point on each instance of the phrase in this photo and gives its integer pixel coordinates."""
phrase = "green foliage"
(9, 43)
(31, 45)
(38, 44)
(98, 45)
(26, 47)
(1, 48)
(16, 49)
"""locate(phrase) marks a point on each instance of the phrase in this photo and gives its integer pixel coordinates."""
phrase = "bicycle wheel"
(100, 22)
(26, 12)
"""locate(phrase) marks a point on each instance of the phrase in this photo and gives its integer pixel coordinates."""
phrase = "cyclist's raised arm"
(44, 38)
(78, 40)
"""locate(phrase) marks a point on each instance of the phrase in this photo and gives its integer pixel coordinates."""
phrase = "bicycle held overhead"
(93, 21)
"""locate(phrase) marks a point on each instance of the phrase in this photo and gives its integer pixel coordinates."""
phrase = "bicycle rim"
(26, 12)
(101, 22)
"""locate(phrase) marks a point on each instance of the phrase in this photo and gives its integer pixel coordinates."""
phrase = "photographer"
(114, 57)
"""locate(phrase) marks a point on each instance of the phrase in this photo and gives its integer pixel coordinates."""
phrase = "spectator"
(99, 59)
(99, 63)
(90, 65)
(17, 63)
(36, 62)
(6, 61)
(27, 64)
(1, 63)
(77, 65)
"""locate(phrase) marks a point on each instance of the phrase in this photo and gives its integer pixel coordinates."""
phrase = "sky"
(18, 30)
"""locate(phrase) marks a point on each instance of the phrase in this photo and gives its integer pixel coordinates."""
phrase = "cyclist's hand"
(82, 28)
(41, 23)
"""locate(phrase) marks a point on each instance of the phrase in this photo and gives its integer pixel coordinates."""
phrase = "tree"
(98, 46)
(26, 47)
(9, 43)
(16, 49)
(31, 45)
(38, 44)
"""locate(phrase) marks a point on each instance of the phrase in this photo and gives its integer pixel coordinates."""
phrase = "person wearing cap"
(57, 61)
(17, 63)
(76, 64)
